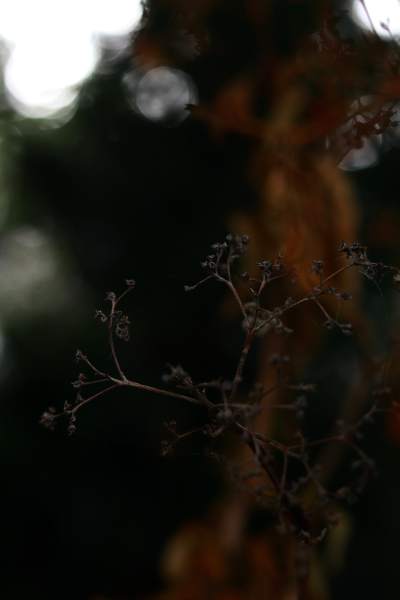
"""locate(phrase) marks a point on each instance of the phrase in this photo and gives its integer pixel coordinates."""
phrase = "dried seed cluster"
(228, 408)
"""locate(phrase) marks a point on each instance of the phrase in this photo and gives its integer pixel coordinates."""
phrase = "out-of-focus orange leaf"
(202, 563)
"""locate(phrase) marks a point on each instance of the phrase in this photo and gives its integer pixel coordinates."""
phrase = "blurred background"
(105, 175)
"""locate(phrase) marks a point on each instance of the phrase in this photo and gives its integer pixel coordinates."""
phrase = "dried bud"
(213, 455)
(130, 282)
(219, 247)
(307, 540)
(167, 451)
(345, 296)
(347, 329)
(47, 420)
(345, 493)
(333, 519)
(122, 331)
(177, 373)
(317, 267)
(100, 315)
(359, 250)
(308, 387)
(265, 266)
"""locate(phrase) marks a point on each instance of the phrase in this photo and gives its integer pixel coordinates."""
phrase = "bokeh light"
(55, 45)
(370, 151)
(364, 157)
(161, 94)
(35, 279)
(377, 12)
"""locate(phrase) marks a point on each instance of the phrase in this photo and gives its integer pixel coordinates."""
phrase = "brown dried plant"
(283, 475)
